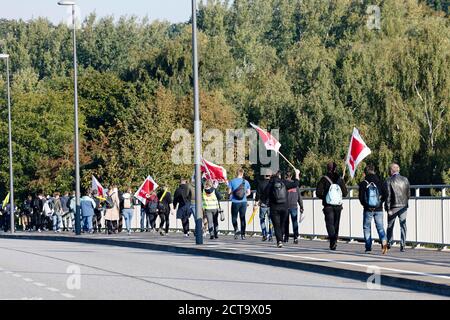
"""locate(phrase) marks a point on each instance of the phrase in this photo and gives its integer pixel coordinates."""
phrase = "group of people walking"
(277, 197)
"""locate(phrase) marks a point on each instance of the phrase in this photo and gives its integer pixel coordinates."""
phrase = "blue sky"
(171, 10)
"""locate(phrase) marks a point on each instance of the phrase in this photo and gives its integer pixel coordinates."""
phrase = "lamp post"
(11, 176)
(77, 155)
(197, 132)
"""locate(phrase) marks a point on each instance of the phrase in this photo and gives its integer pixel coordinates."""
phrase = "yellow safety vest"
(210, 201)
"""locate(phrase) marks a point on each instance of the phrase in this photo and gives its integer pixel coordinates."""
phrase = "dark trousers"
(332, 219)
(238, 208)
(279, 217)
(36, 220)
(391, 223)
(111, 226)
(185, 222)
(294, 217)
(97, 221)
(164, 217)
(151, 219)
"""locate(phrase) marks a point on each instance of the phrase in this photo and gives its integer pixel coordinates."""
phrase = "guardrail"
(428, 219)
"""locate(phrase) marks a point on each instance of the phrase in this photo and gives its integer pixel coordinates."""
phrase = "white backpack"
(334, 195)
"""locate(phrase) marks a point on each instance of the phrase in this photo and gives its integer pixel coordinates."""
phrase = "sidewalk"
(417, 269)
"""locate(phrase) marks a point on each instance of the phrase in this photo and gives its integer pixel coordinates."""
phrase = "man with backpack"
(57, 212)
(152, 210)
(264, 210)
(372, 194)
(239, 189)
(396, 204)
(277, 193)
(128, 209)
(164, 209)
(295, 203)
(331, 190)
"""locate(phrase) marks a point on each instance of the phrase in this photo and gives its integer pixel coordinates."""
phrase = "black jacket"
(269, 188)
(260, 195)
(363, 188)
(324, 186)
(183, 195)
(397, 192)
(294, 198)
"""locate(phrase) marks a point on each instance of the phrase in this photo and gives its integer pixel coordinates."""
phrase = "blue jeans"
(128, 215)
(56, 222)
(143, 219)
(294, 214)
(87, 223)
(263, 213)
(367, 226)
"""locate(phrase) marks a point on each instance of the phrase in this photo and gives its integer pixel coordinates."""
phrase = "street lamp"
(11, 176)
(197, 133)
(77, 155)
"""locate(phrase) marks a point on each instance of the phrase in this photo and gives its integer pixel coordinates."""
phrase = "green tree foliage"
(312, 68)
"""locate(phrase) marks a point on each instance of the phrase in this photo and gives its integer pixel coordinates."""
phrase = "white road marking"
(8, 272)
(67, 295)
(17, 275)
(28, 279)
(39, 284)
(345, 263)
(52, 289)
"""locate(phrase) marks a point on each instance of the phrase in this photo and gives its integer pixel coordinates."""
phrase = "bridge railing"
(428, 220)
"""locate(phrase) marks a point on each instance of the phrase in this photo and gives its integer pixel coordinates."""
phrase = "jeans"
(391, 222)
(263, 213)
(279, 217)
(143, 219)
(367, 226)
(294, 214)
(128, 215)
(238, 208)
(87, 223)
(332, 220)
(56, 222)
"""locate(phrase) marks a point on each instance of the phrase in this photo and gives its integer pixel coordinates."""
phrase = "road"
(56, 270)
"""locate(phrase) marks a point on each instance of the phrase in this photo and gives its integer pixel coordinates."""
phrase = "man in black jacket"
(182, 203)
(264, 210)
(372, 194)
(332, 211)
(294, 203)
(396, 205)
(277, 193)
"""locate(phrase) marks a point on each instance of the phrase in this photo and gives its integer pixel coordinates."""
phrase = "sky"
(170, 10)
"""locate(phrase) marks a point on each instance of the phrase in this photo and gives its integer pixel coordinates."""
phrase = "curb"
(392, 281)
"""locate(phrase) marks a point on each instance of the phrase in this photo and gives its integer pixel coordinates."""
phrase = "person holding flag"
(165, 207)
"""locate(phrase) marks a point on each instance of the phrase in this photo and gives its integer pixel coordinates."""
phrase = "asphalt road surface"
(57, 270)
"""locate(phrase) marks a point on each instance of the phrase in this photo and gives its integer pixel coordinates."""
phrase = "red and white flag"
(357, 151)
(269, 141)
(145, 189)
(213, 171)
(97, 186)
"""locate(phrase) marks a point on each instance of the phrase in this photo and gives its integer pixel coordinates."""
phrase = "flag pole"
(288, 161)
(345, 170)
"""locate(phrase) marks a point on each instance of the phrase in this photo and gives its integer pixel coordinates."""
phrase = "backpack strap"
(329, 180)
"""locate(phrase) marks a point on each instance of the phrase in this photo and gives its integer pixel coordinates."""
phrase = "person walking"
(65, 208)
(331, 189)
(264, 210)
(164, 209)
(112, 213)
(152, 211)
(97, 218)
(57, 212)
(372, 194)
(128, 209)
(295, 205)
(239, 189)
(182, 204)
(87, 205)
(72, 210)
(27, 214)
(211, 208)
(277, 193)
(396, 204)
